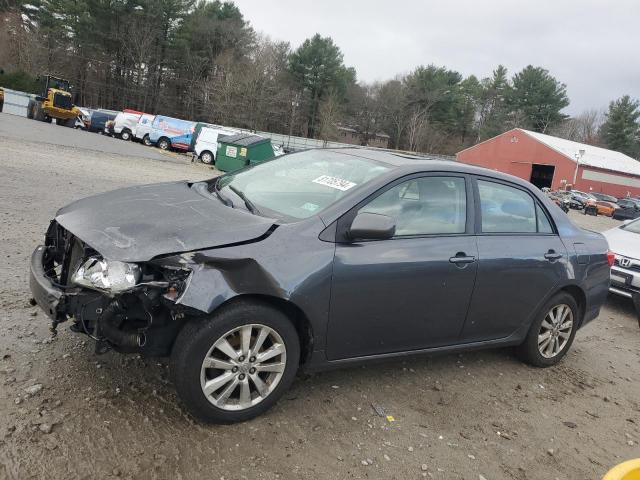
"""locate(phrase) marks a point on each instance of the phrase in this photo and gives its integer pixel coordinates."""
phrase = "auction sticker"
(334, 182)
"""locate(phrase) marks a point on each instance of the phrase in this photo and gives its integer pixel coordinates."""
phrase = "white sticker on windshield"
(334, 182)
(312, 207)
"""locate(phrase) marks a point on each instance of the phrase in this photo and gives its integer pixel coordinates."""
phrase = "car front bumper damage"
(145, 319)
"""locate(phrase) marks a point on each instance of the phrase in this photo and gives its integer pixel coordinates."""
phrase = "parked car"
(318, 259)
(561, 200)
(168, 132)
(207, 142)
(99, 119)
(125, 123)
(629, 208)
(604, 197)
(600, 207)
(576, 201)
(143, 129)
(624, 241)
(83, 119)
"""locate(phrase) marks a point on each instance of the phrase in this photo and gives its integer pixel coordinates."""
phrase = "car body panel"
(501, 302)
(136, 224)
(409, 295)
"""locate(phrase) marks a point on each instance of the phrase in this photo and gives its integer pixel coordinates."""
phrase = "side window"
(424, 206)
(506, 209)
(544, 225)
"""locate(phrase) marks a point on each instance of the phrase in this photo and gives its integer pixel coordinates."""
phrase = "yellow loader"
(56, 102)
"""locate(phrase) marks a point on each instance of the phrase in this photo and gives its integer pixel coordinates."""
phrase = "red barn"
(553, 162)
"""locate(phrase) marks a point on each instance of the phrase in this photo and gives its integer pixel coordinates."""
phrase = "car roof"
(414, 163)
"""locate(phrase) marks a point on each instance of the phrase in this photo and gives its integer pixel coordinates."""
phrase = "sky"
(591, 46)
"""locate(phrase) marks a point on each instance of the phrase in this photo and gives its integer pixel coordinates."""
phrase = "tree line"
(202, 60)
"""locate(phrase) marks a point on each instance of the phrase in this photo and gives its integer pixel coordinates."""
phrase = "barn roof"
(593, 156)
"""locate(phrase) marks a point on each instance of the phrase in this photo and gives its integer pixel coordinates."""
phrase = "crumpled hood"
(623, 242)
(139, 223)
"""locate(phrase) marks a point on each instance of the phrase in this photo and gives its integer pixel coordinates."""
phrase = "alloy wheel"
(555, 330)
(243, 367)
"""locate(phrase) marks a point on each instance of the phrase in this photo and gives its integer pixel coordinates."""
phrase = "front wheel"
(206, 157)
(236, 364)
(551, 333)
(146, 141)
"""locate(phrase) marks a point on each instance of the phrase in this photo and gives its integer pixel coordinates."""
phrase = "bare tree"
(329, 116)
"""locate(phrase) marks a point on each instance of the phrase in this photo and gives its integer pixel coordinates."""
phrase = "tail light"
(611, 258)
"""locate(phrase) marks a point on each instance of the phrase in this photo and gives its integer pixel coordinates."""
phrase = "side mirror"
(372, 226)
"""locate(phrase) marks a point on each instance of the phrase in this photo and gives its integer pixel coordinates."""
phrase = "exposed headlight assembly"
(110, 276)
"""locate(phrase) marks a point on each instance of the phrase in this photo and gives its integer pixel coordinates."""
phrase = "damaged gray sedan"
(317, 259)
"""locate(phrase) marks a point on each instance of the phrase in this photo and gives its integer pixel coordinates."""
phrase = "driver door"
(411, 291)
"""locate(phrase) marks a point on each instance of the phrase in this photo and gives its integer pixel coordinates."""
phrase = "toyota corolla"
(318, 259)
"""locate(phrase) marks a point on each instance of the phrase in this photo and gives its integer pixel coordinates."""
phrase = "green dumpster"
(238, 151)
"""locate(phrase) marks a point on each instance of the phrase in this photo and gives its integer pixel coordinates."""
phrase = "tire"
(530, 351)
(38, 113)
(206, 157)
(30, 110)
(196, 342)
(125, 135)
(164, 143)
(146, 140)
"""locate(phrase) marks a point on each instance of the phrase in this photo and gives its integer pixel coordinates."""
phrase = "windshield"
(301, 184)
(633, 227)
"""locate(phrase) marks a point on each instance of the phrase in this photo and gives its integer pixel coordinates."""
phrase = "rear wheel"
(164, 144)
(552, 333)
(236, 364)
(125, 135)
(30, 109)
(206, 157)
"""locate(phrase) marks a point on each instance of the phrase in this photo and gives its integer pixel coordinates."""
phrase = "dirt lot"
(472, 416)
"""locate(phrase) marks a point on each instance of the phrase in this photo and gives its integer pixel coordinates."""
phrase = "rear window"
(506, 209)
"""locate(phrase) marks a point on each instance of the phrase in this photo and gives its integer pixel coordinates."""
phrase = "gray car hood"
(139, 223)
(623, 242)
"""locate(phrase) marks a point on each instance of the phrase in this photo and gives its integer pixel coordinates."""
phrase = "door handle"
(461, 259)
(551, 255)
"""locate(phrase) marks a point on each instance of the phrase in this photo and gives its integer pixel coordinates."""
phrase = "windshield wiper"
(250, 206)
(222, 198)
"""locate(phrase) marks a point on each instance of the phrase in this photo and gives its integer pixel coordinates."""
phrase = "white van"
(142, 128)
(124, 124)
(207, 142)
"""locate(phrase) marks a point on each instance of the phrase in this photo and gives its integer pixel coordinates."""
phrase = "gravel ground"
(67, 413)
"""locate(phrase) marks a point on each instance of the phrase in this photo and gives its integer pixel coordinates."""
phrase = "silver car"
(624, 241)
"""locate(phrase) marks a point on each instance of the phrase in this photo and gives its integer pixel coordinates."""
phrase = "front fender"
(291, 264)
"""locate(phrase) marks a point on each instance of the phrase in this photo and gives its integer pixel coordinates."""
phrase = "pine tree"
(538, 98)
(621, 130)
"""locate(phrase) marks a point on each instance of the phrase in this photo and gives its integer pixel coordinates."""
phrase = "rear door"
(521, 260)
(412, 291)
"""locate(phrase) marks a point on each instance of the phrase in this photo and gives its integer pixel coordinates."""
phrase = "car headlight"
(108, 275)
